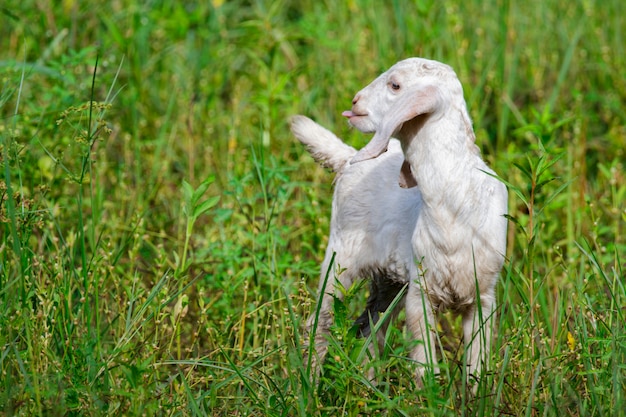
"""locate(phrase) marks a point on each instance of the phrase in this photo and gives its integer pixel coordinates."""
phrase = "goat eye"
(395, 85)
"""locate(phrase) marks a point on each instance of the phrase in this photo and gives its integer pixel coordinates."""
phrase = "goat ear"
(421, 99)
(406, 180)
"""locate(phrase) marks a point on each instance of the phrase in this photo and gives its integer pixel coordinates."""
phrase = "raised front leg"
(421, 323)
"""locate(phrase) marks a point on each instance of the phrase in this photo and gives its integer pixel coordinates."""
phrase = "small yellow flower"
(571, 342)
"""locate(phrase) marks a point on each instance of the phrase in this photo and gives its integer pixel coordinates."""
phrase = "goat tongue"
(348, 114)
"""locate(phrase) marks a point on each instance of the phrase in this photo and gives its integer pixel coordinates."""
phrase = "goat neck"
(441, 155)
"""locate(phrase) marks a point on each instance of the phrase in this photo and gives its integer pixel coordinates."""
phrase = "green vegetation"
(161, 230)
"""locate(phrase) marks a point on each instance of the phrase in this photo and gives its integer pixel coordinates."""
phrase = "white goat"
(371, 225)
(460, 234)
(458, 214)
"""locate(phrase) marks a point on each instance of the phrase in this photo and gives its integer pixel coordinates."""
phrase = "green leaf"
(341, 312)
(199, 192)
(524, 170)
(516, 222)
(511, 187)
(556, 193)
(187, 192)
(549, 164)
(205, 206)
(544, 182)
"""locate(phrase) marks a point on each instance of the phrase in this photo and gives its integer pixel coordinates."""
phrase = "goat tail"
(326, 148)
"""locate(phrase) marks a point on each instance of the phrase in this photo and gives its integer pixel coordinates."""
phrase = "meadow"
(161, 230)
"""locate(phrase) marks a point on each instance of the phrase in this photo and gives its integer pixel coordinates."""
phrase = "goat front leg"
(421, 323)
(477, 329)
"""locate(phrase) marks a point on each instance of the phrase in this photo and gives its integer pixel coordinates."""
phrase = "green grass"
(161, 230)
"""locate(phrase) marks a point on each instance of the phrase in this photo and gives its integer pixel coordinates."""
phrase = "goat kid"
(459, 237)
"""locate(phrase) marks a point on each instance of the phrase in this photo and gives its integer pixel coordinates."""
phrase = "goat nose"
(355, 99)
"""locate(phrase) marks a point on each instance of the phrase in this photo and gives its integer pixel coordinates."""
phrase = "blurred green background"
(161, 229)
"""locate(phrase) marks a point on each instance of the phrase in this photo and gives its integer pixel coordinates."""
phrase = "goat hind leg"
(321, 318)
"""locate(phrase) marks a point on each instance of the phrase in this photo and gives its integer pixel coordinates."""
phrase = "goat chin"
(445, 238)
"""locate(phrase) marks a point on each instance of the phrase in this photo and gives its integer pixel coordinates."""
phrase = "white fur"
(454, 219)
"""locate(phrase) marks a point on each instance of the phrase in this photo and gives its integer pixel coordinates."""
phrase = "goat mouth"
(350, 114)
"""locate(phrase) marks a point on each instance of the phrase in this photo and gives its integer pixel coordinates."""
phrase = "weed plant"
(161, 231)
